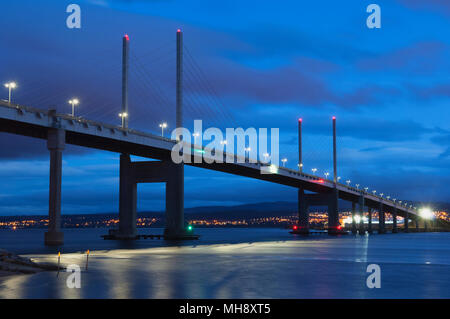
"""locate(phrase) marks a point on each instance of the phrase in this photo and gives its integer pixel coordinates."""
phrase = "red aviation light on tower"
(334, 118)
(126, 37)
(300, 119)
(179, 30)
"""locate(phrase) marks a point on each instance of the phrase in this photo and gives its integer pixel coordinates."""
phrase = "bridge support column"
(55, 144)
(175, 203)
(417, 224)
(127, 200)
(406, 222)
(334, 228)
(369, 223)
(362, 230)
(354, 231)
(425, 225)
(394, 221)
(303, 213)
(324, 199)
(381, 220)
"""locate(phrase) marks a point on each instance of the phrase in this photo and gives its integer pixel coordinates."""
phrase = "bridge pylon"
(381, 219)
(55, 144)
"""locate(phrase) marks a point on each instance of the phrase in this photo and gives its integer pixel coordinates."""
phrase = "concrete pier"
(333, 214)
(406, 222)
(354, 230)
(394, 221)
(369, 224)
(381, 220)
(127, 200)
(55, 144)
(303, 213)
(362, 229)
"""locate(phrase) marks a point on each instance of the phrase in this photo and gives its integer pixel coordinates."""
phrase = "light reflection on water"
(235, 263)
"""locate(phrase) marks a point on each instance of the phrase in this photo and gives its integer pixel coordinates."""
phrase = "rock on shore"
(11, 264)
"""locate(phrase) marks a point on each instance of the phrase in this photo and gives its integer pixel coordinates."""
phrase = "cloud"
(419, 58)
(441, 6)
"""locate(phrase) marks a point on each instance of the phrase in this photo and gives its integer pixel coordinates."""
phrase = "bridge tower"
(333, 206)
(303, 209)
(175, 227)
(164, 171)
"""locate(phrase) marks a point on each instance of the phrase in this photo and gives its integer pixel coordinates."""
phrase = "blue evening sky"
(247, 64)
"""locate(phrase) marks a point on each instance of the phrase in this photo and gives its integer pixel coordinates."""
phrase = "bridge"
(61, 129)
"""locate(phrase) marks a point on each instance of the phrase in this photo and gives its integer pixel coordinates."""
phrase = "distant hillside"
(265, 209)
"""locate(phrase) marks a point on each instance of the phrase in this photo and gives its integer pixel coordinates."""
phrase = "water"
(236, 263)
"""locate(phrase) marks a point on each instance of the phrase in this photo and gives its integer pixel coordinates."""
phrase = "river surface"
(235, 263)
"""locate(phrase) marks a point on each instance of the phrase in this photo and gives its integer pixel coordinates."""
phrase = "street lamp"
(10, 86)
(381, 194)
(338, 178)
(123, 116)
(314, 170)
(284, 160)
(348, 182)
(394, 199)
(357, 186)
(366, 189)
(374, 191)
(73, 102)
(326, 175)
(266, 157)
(163, 126)
(300, 166)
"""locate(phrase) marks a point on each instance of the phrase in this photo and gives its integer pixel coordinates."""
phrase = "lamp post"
(314, 170)
(366, 189)
(284, 160)
(73, 102)
(123, 116)
(10, 86)
(247, 151)
(326, 175)
(348, 182)
(195, 135)
(266, 157)
(163, 126)
(357, 186)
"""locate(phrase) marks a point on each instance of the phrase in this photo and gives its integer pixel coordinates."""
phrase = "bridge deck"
(34, 122)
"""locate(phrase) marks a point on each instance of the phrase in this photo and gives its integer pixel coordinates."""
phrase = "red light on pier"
(294, 228)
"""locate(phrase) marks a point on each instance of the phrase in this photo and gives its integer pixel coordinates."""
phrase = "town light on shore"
(425, 212)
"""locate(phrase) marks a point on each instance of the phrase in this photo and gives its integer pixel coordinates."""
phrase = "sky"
(261, 64)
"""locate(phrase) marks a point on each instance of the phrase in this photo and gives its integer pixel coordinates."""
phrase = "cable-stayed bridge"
(60, 129)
